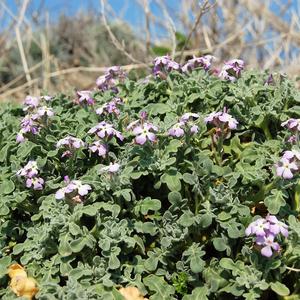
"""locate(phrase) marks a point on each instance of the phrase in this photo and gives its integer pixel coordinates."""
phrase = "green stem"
(259, 196)
(296, 199)
(265, 127)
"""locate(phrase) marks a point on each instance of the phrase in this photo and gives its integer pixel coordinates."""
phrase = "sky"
(128, 9)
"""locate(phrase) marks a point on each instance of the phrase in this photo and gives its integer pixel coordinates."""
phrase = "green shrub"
(171, 220)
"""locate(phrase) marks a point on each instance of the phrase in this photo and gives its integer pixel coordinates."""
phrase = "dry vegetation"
(36, 54)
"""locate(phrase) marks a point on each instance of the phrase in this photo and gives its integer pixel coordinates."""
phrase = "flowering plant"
(181, 186)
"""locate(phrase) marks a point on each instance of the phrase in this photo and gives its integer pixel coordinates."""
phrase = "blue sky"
(129, 9)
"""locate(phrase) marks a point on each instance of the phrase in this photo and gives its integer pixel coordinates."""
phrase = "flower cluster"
(221, 119)
(143, 130)
(232, 69)
(74, 190)
(30, 172)
(111, 107)
(164, 64)
(69, 143)
(37, 116)
(294, 126)
(288, 164)
(106, 130)
(223, 123)
(198, 62)
(85, 97)
(111, 168)
(100, 148)
(178, 130)
(266, 230)
(109, 80)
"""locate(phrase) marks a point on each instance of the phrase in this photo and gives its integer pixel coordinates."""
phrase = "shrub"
(160, 184)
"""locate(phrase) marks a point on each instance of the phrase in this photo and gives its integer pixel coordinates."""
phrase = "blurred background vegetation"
(56, 48)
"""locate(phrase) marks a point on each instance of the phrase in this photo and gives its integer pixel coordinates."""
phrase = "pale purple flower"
(258, 227)
(196, 62)
(116, 72)
(110, 107)
(104, 129)
(143, 115)
(292, 124)
(35, 182)
(187, 116)
(176, 130)
(232, 69)
(70, 142)
(277, 226)
(227, 118)
(143, 133)
(85, 97)
(45, 111)
(31, 102)
(212, 117)
(99, 147)
(112, 76)
(291, 154)
(46, 98)
(29, 124)
(61, 193)
(74, 186)
(266, 230)
(219, 118)
(29, 170)
(194, 129)
(268, 245)
(111, 168)
(164, 64)
(292, 139)
(82, 189)
(285, 168)
(20, 137)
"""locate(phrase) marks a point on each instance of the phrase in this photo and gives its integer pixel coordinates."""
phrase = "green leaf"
(279, 288)
(162, 291)
(145, 227)
(275, 201)
(7, 187)
(189, 178)
(174, 197)
(219, 244)
(199, 293)
(158, 108)
(193, 255)
(172, 179)
(149, 204)
(4, 264)
(187, 219)
(227, 263)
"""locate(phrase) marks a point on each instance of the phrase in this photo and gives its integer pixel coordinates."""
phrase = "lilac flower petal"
(60, 194)
(266, 251)
(141, 139)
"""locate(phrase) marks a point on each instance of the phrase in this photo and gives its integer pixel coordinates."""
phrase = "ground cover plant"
(183, 184)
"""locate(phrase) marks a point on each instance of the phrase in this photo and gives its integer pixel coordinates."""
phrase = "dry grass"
(38, 56)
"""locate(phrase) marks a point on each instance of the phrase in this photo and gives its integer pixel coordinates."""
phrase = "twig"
(292, 269)
(113, 38)
(203, 9)
(19, 40)
(171, 26)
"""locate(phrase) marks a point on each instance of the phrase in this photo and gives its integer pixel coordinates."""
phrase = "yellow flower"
(20, 284)
(16, 270)
(131, 293)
